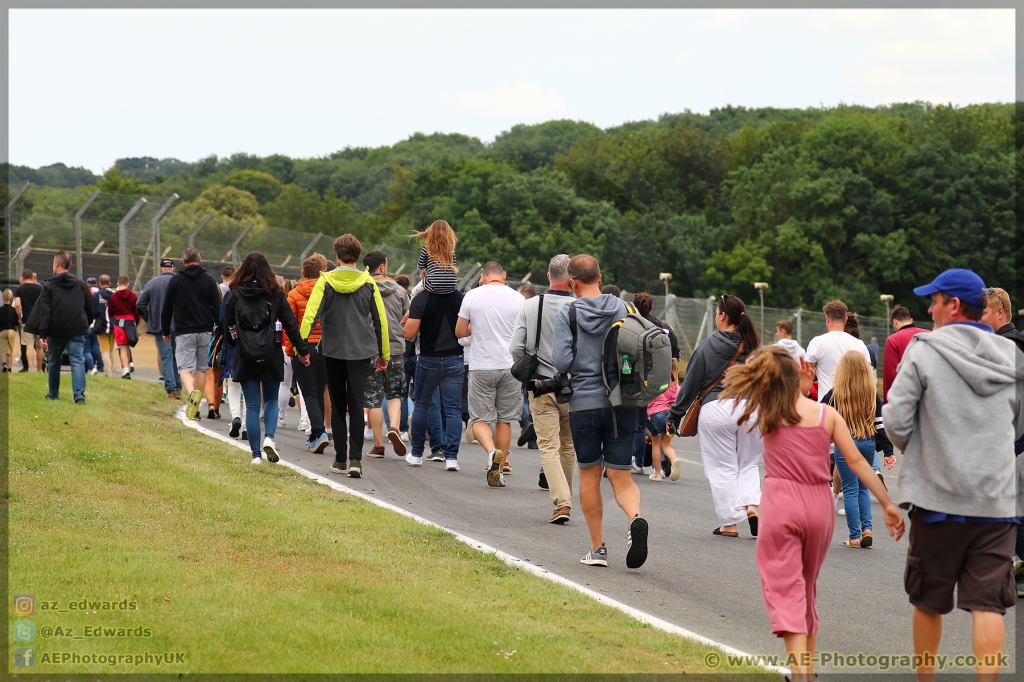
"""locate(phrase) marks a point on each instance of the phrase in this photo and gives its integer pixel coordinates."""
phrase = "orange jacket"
(297, 299)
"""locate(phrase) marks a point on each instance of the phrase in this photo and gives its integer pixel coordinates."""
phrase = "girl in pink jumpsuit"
(797, 514)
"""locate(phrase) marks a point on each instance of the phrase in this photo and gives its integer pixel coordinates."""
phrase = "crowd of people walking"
(593, 380)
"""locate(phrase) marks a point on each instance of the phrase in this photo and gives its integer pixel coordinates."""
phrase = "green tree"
(228, 201)
(263, 186)
(113, 182)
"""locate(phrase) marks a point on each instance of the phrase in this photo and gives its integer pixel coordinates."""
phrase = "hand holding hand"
(167, 339)
(890, 461)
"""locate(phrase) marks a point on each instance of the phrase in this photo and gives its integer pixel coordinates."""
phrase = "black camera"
(558, 384)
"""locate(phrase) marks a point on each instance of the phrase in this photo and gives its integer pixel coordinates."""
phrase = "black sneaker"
(245, 435)
(236, 426)
(79, 401)
(596, 557)
(542, 481)
(529, 433)
(636, 543)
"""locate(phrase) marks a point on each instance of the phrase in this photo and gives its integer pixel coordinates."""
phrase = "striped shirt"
(439, 280)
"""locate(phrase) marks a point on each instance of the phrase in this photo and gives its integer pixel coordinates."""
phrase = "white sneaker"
(655, 476)
(404, 436)
(842, 512)
(413, 461)
(131, 366)
(304, 425)
(281, 419)
(635, 469)
(308, 430)
(367, 433)
(270, 450)
(257, 460)
(451, 465)
(94, 371)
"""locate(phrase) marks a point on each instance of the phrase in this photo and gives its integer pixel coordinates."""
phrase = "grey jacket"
(524, 333)
(594, 316)
(151, 303)
(955, 409)
(396, 305)
(706, 364)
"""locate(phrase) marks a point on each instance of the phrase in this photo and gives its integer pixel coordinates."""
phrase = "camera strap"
(572, 328)
(540, 316)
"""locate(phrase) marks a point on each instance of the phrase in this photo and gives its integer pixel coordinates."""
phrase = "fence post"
(22, 252)
(235, 260)
(78, 232)
(800, 326)
(202, 224)
(7, 226)
(305, 251)
(156, 233)
(469, 276)
(122, 236)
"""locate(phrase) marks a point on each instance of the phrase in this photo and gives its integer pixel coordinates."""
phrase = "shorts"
(30, 340)
(390, 383)
(495, 396)
(8, 343)
(976, 558)
(191, 351)
(594, 437)
(106, 342)
(656, 423)
(120, 337)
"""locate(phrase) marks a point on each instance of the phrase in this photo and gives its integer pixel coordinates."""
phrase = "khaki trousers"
(554, 438)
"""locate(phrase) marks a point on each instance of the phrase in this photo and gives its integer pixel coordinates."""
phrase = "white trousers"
(730, 457)
(234, 390)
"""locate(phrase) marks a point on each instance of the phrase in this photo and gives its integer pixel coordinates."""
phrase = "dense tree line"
(848, 201)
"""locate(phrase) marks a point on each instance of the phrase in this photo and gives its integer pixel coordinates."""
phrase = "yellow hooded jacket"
(350, 309)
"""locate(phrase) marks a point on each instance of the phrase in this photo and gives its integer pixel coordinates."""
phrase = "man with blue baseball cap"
(955, 409)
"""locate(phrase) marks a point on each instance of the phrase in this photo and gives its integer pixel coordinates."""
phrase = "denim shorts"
(596, 441)
(657, 421)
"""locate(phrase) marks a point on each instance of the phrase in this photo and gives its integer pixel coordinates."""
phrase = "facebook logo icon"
(24, 656)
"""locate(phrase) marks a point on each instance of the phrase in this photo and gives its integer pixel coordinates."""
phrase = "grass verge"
(248, 569)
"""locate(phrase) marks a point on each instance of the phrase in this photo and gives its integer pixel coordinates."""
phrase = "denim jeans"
(251, 390)
(166, 351)
(445, 374)
(76, 353)
(93, 356)
(856, 497)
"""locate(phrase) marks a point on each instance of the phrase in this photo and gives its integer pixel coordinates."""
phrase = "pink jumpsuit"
(797, 517)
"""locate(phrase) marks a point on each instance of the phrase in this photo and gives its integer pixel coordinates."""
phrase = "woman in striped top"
(437, 258)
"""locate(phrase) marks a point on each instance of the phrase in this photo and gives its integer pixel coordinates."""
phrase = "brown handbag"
(688, 427)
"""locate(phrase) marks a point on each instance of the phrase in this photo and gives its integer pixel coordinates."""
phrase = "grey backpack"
(642, 353)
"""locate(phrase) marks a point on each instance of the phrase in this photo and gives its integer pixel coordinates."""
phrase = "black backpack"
(254, 320)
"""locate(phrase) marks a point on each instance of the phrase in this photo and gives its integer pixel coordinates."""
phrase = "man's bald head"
(584, 269)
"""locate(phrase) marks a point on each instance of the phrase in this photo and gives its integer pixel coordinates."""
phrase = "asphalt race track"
(706, 584)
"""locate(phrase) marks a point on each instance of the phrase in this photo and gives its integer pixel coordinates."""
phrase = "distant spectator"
(101, 324)
(611, 289)
(226, 273)
(823, 352)
(873, 349)
(896, 345)
(123, 313)
(151, 307)
(997, 315)
(61, 318)
(25, 297)
(784, 334)
(528, 291)
(8, 330)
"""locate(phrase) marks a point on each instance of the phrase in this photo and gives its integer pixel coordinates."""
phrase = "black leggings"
(347, 382)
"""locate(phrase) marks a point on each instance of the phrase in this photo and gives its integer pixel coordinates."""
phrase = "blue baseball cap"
(963, 284)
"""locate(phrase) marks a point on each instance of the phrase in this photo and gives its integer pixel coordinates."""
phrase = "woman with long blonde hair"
(796, 513)
(855, 397)
(437, 262)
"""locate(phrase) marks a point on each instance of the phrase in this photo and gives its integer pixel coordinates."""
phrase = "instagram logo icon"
(24, 605)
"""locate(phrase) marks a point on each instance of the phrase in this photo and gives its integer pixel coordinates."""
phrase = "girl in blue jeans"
(855, 397)
(256, 303)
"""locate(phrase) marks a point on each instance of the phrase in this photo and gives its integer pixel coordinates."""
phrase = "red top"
(123, 303)
(895, 346)
(798, 453)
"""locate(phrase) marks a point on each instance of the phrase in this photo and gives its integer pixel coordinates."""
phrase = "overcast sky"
(90, 86)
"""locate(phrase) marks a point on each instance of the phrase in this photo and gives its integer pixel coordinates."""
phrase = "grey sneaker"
(436, 455)
(596, 557)
(636, 543)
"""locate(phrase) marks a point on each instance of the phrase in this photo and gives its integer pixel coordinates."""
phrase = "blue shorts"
(595, 440)
(657, 421)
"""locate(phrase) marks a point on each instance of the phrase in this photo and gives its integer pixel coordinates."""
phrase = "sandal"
(849, 543)
(865, 540)
(752, 520)
(726, 534)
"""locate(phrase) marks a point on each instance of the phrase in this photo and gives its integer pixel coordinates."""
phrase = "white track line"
(515, 562)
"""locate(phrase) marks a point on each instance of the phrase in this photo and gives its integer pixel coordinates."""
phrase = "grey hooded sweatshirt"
(955, 409)
(707, 363)
(594, 316)
(396, 305)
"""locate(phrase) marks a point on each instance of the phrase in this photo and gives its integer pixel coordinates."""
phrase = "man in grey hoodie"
(601, 434)
(390, 383)
(955, 409)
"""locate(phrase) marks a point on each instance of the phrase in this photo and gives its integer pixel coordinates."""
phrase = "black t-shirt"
(28, 293)
(438, 314)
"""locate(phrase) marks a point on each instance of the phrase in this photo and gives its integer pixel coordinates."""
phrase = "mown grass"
(257, 569)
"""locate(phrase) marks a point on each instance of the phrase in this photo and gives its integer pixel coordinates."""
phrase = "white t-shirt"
(825, 350)
(491, 310)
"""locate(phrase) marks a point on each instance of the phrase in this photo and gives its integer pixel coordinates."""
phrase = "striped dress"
(439, 280)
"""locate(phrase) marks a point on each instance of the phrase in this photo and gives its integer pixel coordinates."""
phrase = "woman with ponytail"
(729, 453)
(797, 517)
